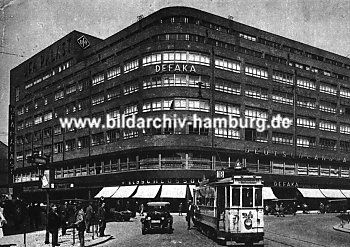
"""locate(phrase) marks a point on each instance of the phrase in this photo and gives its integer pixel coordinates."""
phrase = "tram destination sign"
(246, 180)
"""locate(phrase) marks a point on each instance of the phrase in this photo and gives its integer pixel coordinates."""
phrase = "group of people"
(80, 217)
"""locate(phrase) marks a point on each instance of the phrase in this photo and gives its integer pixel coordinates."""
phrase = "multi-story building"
(4, 175)
(181, 61)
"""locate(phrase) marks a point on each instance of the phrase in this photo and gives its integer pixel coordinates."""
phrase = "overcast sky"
(28, 26)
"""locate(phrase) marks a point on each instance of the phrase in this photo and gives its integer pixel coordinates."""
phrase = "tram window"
(228, 197)
(258, 197)
(236, 196)
(247, 197)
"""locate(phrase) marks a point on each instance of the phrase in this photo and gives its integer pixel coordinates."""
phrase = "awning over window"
(107, 192)
(346, 193)
(332, 193)
(311, 193)
(124, 191)
(191, 187)
(147, 191)
(173, 191)
(268, 194)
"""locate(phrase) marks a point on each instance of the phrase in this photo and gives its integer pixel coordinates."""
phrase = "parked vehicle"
(157, 217)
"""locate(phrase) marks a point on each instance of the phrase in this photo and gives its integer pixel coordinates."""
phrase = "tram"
(229, 208)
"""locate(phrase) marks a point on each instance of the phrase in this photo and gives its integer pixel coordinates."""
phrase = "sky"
(29, 26)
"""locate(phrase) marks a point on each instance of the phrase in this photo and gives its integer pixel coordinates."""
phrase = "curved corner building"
(180, 61)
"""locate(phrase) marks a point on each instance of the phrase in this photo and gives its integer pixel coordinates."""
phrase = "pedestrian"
(180, 209)
(80, 223)
(142, 209)
(282, 210)
(2, 221)
(277, 209)
(190, 214)
(64, 217)
(102, 219)
(54, 224)
(89, 216)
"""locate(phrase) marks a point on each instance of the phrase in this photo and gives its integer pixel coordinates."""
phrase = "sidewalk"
(37, 239)
(343, 228)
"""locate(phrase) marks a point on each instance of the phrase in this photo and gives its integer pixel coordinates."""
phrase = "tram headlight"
(248, 224)
(162, 218)
(148, 218)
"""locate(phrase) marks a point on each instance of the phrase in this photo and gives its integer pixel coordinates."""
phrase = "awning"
(107, 192)
(173, 191)
(311, 193)
(346, 193)
(124, 191)
(268, 194)
(191, 187)
(332, 193)
(147, 191)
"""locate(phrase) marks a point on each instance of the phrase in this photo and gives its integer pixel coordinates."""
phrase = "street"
(299, 231)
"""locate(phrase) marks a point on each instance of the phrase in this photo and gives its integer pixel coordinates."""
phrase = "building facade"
(180, 61)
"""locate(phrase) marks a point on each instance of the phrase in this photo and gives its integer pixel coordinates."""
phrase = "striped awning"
(311, 193)
(147, 191)
(332, 193)
(173, 191)
(107, 192)
(346, 193)
(124, 191)
(268, 194)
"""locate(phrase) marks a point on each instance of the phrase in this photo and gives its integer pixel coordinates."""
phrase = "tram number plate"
(230, 243)
(155, 221)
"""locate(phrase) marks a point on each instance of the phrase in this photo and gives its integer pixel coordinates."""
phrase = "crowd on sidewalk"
(18, 217)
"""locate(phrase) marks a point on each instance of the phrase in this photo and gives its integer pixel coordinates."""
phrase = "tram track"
(310, 243)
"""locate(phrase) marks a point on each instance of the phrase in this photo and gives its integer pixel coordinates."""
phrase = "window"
(130, 110)
(20, 110)
(129, 133)
(255, 71)
(57, 130)
(130, 66)
(20, 125)
(59, 95)
(198, 58)
(130, 88)
(236, 196)
(248, 37)
(47, 116)
(282, 138)
(47, 132)
(37, 135)
(82, 85)
(256, 92)
(327, 126)
(58, 147)
(98, 79)
(28, 122)
(38, 119)
(282, 97)
(247, 196)
(229, 65)
(191, 104)
(344, 129)
(328, 144)
(306, 83)
(97, 139)
(227, 109)
(328, 89)
(306, 102)
(17, 94)
(97, 99)
(83, 142)
(254, 135)
(70, 145)
(113, 93)
(344, 146)
(328, 107)
(306, 122)
(71, 89)
(113, 72)
(306, 141)
(227, 87)
(112, 136)
(155, 58)
(255, 113)
(345, 92)
(227, 133)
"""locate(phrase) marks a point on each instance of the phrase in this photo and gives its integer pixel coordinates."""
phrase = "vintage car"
(124, 215)
(157, 218)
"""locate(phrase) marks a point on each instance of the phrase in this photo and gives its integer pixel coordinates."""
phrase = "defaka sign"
(174, 67)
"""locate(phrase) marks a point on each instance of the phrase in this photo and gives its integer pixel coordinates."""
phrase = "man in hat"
(190, 214)
(54, 224)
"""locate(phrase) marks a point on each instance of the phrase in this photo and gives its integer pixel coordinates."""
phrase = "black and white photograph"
(181, 123)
